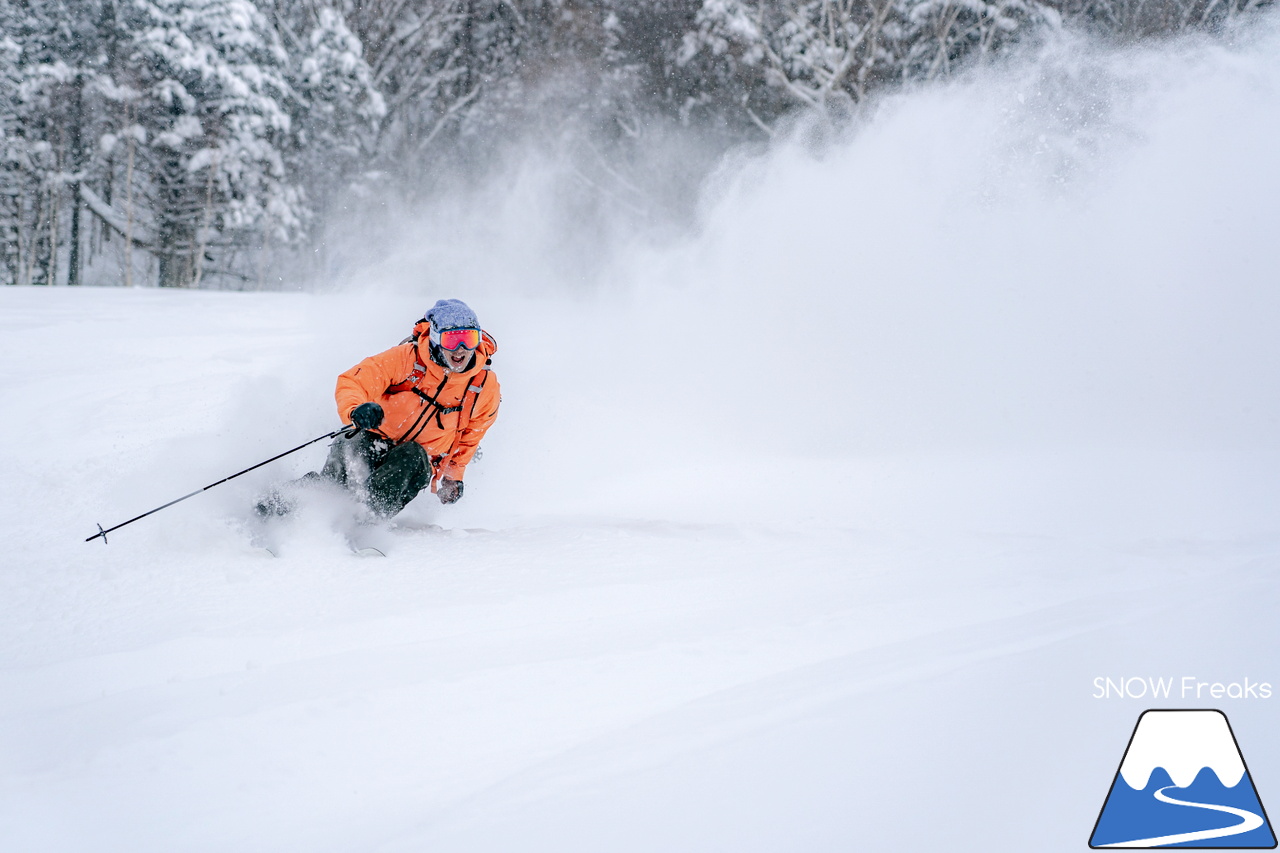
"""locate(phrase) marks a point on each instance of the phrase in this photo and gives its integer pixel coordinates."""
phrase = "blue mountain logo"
(1183, 783)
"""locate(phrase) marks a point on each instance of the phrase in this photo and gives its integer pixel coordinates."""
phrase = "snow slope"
(813, 537)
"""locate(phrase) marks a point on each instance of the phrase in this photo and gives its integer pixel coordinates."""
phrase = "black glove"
(449, 491)
(367, 415)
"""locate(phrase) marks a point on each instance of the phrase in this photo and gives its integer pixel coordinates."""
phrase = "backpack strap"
(411, 385)
(424, 417)
(465, 411)
(419, 371)
(473, 392)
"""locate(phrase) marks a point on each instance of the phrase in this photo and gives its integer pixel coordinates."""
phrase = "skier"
(421, 409)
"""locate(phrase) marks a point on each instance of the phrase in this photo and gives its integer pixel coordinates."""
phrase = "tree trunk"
(176, 232)
(173, 268)
(10, 224)
(73, 261)
(77, 164)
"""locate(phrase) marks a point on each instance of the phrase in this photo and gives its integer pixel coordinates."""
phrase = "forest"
(221, 143)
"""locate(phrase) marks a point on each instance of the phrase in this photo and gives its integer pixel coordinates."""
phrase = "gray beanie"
(451, 314)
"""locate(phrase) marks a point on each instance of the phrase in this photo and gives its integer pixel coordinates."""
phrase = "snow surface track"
(854, 601)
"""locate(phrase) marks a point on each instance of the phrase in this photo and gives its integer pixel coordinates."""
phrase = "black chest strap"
(433, 406)
(424, 417)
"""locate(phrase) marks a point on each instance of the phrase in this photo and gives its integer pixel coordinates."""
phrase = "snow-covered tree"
(418, 55)
(52, 57)
(1139, 18)
(201, 142)
(819, 53)
(209, 101)
(449, 70)
(337, 109)
(12, 153)
(941, 33)
(336, 113)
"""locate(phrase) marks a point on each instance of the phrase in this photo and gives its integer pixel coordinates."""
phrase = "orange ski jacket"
(447, 413)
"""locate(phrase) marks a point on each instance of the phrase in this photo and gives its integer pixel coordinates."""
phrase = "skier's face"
(456, 360)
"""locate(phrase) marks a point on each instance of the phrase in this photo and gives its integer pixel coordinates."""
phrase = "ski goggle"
(452, 339)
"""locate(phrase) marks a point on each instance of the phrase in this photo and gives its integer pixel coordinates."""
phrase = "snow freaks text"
(1185, 687)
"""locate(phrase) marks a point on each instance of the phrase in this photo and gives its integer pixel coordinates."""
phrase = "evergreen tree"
(12, 150)
(52, 57)
(211, 106)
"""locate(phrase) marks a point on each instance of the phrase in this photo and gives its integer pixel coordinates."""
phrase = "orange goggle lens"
(451, 339)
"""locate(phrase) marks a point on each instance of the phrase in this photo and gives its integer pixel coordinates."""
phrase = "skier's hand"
(449, 491)
(367, 415)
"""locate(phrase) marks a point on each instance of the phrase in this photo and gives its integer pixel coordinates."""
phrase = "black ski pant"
(384, 476)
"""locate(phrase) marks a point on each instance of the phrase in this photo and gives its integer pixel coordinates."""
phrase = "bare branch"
(111, 217)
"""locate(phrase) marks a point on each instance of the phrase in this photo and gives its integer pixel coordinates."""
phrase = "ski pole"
(103, 533)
